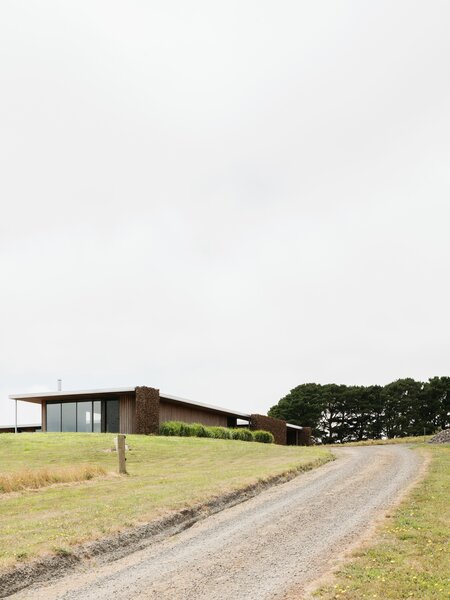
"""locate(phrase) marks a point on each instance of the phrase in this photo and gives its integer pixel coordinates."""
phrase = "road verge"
(407, 556)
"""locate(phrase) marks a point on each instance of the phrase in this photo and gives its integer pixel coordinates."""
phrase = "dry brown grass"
(33, 479)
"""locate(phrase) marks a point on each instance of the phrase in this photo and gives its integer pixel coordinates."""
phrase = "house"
(142, 410)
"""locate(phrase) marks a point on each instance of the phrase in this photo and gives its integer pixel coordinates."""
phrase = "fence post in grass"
(121, 453)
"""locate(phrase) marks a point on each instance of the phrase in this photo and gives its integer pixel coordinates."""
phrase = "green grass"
(409, 557)
(401, 440)
(165, 474)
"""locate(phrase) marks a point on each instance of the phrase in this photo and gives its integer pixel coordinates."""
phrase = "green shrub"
(184, 429)
(245, 435)
(198, 430)
(221, 433)
(178, 428)
(171, 428)
(264, 437)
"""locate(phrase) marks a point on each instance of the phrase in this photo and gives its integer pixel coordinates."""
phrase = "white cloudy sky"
(223, 199)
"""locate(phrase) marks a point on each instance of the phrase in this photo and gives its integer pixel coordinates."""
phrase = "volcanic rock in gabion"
(443, 437)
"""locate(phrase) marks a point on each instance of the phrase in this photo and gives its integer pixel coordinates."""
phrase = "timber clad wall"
(276, 426)
(127, 411)
(189, 414)
(304, 436)
(147, 410)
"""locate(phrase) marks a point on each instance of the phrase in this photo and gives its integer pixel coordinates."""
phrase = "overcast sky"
(223, 199)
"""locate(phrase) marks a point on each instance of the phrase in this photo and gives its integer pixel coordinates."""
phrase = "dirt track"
(269, 547)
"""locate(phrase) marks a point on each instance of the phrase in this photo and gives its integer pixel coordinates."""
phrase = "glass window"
(84, 416)
(112, 416)
(69, 416)
(53, 417)
(97, 416)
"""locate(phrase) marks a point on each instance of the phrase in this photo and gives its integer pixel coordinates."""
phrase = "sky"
(222, 200)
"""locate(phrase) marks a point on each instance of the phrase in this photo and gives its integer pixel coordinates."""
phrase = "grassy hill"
(165, 474)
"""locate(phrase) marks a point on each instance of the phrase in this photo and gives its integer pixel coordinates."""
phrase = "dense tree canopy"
(341, 413)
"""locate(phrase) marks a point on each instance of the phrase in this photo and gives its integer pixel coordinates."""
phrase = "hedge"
(240, 433)
(178, 428)
(265, 437)
(221, 433)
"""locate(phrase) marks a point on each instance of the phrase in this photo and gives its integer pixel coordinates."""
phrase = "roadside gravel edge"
(365, 541)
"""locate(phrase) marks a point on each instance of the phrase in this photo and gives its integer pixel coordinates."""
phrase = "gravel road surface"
(269, 547)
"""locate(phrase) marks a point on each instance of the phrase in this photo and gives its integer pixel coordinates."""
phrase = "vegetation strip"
(388, 441)
(409, 559)
(30, 479)
(114, 547)
(342, 413)
(180, 429)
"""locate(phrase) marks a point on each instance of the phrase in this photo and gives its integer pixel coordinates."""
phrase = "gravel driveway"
(269, 547)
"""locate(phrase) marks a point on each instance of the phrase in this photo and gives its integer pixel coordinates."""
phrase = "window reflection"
(97, 416)
(69, 416)
(86, 416)
(53, 417)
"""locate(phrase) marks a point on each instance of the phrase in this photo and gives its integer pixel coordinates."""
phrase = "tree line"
(341, 413)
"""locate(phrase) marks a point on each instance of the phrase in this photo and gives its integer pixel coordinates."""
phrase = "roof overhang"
(70, 395)
(80, 394)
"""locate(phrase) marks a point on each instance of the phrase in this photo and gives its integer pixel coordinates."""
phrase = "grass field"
(409, 557)
(164, 474)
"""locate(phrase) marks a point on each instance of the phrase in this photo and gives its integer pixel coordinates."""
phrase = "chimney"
(59, 381)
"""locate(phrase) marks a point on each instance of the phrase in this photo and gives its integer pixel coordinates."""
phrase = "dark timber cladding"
(127, 413)
(277, 427)
(170, 411)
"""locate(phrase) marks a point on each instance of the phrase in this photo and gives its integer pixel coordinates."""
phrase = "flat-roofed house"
(142, 410)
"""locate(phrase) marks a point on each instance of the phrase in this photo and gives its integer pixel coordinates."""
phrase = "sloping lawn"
(164, 474)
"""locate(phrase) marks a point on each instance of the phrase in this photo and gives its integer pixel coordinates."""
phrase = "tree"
(340, 413)
(401, 401)
(333, 423)
(435, 408)
(302, 406)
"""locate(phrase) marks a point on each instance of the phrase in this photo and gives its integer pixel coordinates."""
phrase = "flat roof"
(69, 394)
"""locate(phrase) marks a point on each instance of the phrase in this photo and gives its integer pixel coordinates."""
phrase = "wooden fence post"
(121, 453)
